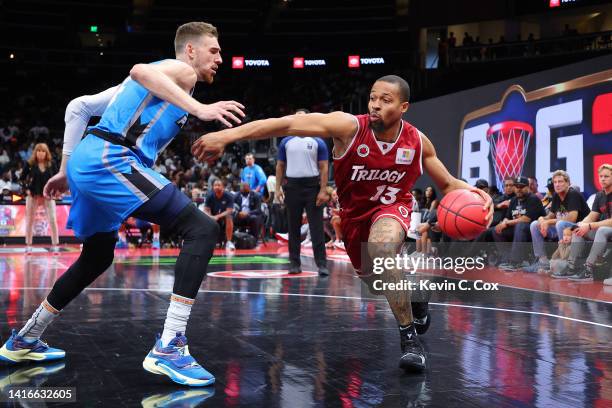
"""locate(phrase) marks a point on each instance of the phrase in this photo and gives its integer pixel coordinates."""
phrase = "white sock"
(155, 236)
(176, 318)
(42, 317)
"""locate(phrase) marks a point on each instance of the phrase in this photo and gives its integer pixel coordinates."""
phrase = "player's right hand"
(223, 111)
(56, 187)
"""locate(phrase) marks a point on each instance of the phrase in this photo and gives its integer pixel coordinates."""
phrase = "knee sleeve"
(96, 257)
(199, 232)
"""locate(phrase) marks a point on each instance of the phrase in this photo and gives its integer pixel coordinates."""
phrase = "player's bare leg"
(385, 240)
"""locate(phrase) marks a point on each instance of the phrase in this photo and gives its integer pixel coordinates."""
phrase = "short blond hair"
(605, 166)
(191, 31)
(561, 173)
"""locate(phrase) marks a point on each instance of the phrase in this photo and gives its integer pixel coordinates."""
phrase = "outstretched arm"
(171, 80)
(338, 125)
(444, 180)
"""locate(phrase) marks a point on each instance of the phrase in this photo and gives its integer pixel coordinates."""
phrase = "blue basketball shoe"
(17, 349)
(175, 361)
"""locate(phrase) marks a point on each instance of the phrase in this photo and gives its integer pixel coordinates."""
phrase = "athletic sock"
(176, 318)
(42, 317)
(156, 236)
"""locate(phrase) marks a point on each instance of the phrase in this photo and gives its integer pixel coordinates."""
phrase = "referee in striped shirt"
(304, 162)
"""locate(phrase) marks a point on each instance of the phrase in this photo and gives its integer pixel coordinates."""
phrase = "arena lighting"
(93, 29)
(298, 62)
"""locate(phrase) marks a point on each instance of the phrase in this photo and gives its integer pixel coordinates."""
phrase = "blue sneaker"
(17, 350)
(121, 245)
(176, 362)
(29, 375)
(183, 398)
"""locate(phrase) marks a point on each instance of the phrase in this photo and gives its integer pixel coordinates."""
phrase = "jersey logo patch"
(363, 150)
(404, 156)
(181, 122)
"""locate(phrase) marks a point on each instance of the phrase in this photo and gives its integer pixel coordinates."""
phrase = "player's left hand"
(488, 207)
(209, 147)
(322, 198)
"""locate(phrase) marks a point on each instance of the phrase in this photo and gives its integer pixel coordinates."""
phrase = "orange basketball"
(461, 215)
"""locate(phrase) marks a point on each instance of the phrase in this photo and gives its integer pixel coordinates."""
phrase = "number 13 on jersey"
(386, 194)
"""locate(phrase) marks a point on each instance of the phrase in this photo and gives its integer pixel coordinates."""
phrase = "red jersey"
(372, 174)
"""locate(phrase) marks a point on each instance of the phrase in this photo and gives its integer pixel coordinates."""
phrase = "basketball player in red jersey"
(377, 159)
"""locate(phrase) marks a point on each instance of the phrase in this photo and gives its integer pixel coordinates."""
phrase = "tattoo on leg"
(386, 237)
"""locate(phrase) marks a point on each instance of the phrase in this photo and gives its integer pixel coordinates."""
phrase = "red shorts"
(356, 232)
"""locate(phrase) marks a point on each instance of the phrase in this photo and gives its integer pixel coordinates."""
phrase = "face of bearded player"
(385, 106)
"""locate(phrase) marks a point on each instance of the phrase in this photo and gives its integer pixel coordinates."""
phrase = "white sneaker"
(339, 245)
(28, 249)
(307, 243)
(55, 249)
(229, 245)
(608, 281)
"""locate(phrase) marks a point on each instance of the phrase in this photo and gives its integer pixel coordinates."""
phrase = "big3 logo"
(565, 126)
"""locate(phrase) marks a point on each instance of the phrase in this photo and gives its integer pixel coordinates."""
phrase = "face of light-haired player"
(204, 55)
(385, 105)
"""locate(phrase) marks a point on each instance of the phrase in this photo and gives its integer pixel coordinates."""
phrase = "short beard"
(378, 126)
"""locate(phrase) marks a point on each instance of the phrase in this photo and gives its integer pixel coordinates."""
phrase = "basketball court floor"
(274, 340)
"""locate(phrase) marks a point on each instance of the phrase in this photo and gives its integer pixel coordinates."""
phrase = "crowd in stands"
(470, 49)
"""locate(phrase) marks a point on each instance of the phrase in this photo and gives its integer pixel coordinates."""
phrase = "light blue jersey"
(109, 172)
(145, 122)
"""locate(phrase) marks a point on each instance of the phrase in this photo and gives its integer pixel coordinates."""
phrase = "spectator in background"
(417, 193)
(502, 202)
(253, 174)
(39, 170)
(547, 199)
(249, 213)
(567, 205)
(220, 206)
(423, 243)
(533, 187)
(4, 158)
(524, 207)
(482, 184)
(596, 227)
(5, 182)
(333, 206)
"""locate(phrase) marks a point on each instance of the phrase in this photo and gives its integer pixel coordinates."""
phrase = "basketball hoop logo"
(509, 142)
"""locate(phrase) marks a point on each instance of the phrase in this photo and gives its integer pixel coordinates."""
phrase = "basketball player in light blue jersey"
(110, 177)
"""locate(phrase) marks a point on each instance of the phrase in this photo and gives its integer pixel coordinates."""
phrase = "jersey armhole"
(420, 151)
(350, 144)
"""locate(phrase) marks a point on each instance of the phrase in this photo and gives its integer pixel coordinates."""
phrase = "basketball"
(461, 214)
